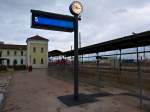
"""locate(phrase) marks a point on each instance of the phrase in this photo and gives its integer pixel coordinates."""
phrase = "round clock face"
(76, 7)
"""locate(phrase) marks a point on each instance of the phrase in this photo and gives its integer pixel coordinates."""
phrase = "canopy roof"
(135, 40)
(54, 53)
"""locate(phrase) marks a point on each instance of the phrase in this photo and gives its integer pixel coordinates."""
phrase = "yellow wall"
(38, 55)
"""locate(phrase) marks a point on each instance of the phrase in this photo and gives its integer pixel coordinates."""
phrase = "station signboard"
(52, 21)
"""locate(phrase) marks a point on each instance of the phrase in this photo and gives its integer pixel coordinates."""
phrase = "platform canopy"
(55, 53)
(131, 41)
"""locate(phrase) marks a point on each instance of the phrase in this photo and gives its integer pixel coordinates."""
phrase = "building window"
(0, 53)
(42, 62)
(34, 61)
(8, 62)
(42, 50)
(15, 53)
(34, 49)
(21, 53)
(21, 61)
(8, 53)
(15, 62)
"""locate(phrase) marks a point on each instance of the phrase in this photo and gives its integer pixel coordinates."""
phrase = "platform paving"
(37, 91)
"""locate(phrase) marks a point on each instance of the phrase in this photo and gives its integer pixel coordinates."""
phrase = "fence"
(127, 69)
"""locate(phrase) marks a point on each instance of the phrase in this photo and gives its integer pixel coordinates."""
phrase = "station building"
(35, 53)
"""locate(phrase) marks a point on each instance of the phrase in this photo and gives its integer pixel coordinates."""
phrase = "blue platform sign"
(52, 21)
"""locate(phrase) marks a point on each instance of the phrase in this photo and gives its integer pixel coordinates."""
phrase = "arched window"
(21, 61)
(8, 53)
(15, 62)
(15, 53)
(34, 49)
(21, 53)
(34, 61)
(0, 53)
(42, 62)
(42, 49)
(8, 62)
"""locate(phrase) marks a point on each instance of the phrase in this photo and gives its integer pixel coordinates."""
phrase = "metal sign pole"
(58, 22)
(76, 63)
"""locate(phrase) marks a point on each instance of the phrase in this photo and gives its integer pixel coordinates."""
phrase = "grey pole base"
(82, 99)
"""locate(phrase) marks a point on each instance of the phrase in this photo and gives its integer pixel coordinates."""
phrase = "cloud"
(102, 20)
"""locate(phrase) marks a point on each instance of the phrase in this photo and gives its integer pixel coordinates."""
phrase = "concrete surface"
(37, 91)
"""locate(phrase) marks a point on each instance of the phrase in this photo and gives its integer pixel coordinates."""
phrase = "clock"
(76, 8)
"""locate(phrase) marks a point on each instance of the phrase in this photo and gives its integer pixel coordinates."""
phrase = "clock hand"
(77, 7)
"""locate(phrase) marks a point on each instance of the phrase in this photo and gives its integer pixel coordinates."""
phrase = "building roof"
(55, 53)
(12, 46)
(37, 37)
(131, 41)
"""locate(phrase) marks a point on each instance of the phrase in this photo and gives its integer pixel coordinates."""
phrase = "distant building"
(13, 54)
(1, 42)
(35, 53)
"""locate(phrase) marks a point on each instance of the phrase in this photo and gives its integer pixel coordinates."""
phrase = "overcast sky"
(102, 20)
